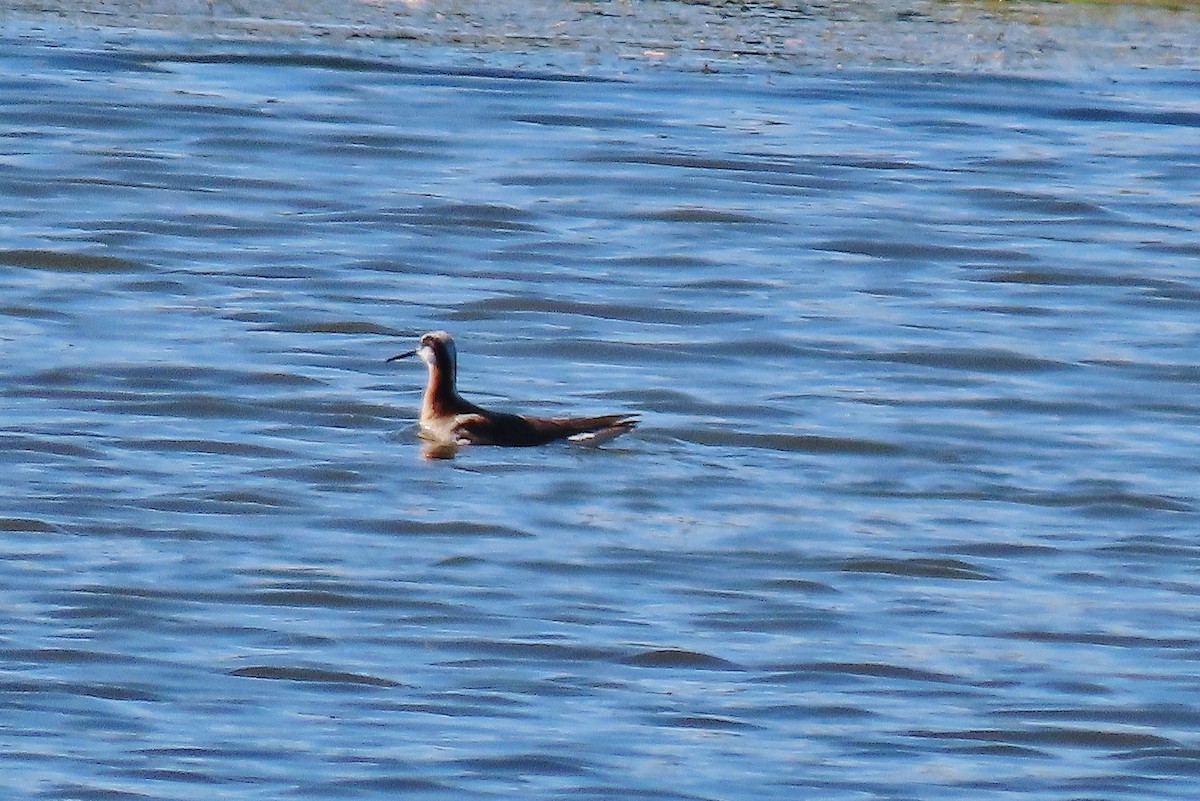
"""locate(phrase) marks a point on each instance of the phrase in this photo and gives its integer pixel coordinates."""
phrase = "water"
(911, 514)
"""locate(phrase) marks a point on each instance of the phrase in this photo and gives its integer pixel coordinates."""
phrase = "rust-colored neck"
(441, 399)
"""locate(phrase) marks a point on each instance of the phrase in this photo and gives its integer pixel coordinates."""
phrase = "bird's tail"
(595, 430)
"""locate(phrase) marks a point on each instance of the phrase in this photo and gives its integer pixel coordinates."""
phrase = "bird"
(447, 420)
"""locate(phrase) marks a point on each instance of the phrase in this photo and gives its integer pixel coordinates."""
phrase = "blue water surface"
(911, 513)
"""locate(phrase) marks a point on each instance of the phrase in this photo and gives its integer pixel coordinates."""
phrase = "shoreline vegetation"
(967, 35)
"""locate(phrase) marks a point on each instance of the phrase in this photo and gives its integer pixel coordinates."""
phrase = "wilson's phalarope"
(448, 420)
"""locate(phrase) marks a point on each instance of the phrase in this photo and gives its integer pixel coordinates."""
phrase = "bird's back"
(501, 428)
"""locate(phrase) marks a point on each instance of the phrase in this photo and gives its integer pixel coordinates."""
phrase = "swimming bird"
(449, 420)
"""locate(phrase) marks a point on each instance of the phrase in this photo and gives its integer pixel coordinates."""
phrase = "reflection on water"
(909, 514)
(439, 450)
(704, 35)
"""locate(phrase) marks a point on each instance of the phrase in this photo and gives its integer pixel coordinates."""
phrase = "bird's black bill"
(399, 356)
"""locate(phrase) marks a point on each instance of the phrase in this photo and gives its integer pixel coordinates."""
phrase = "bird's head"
(437, 350)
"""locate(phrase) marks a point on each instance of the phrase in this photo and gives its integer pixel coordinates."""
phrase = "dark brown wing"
(601, 428)
(498, 428)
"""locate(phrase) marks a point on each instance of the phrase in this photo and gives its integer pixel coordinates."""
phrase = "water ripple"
(909, 511)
